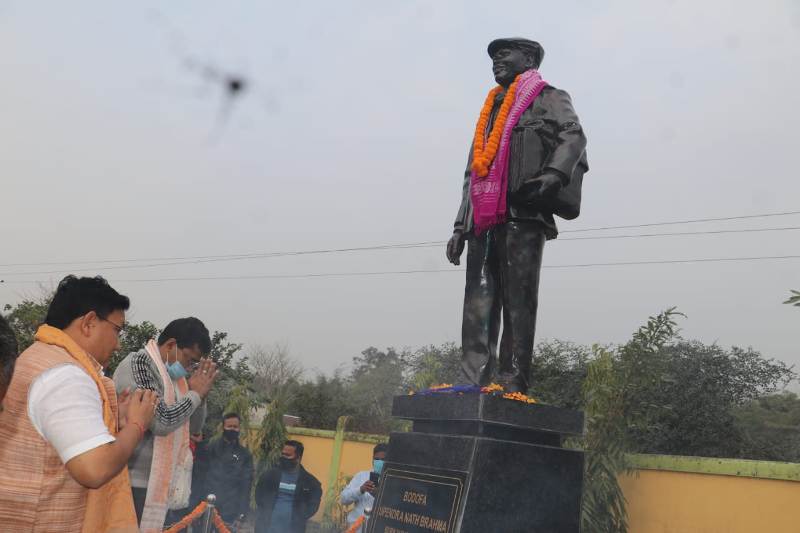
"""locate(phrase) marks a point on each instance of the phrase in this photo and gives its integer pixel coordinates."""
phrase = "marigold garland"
(484, 149)
(357, 524)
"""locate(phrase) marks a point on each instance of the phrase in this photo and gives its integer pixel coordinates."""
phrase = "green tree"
(234, 382)
(603, 506)
(276, 373)
(679, 397)
(132, 339)
(558, 373)
(271, 436)
(433, 365)
(224, 352)
(612, 396)
(770, 427)
(794, 299)
(689, 399)
(377, 377)
(26, 317)
(320, 402)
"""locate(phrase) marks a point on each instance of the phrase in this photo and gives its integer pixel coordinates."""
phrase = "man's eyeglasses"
(117, 327)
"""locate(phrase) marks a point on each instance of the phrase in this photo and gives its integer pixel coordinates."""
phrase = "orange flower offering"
(492, 387)
(518, 396)
(484, 149)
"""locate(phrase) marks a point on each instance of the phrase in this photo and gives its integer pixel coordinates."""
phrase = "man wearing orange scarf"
(64, 439)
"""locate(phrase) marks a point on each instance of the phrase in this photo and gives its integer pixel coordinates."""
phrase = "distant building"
(261, 412)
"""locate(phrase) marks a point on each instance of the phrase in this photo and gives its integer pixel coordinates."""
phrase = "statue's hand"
(551, 183)
(455, 246)
(544, 186)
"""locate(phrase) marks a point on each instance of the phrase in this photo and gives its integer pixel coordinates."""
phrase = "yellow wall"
(356, 456)
(318, 454)
(682, 502)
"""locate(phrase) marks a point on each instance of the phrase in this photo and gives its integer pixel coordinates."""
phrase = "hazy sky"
(355, 134)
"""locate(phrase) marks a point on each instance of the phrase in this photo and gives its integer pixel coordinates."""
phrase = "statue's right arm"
(463, 209)
(455, 246)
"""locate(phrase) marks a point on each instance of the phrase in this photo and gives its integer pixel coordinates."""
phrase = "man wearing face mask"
(287, 496)
(226, 470)
(361, 489)
(177, 368)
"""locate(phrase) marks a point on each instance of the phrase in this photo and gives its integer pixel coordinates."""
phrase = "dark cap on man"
(526, 45)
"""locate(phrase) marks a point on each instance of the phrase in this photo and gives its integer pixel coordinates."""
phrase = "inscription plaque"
(417, 500)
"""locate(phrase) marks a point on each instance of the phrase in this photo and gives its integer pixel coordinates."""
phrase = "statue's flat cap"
(518, 42)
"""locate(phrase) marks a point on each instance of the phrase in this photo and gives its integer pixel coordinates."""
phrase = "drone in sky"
(234, 85)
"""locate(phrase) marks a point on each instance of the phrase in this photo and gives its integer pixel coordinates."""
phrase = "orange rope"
(357, 524)
(219, 524)
(194, 515)
(188, 519)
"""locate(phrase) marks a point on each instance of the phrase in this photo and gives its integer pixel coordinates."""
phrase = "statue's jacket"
(548, 137)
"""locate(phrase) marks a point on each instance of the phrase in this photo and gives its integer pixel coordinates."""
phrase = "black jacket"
(548, 137)
(225, 470)
(307, 496)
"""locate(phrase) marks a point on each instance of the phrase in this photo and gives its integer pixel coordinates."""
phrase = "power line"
(231, 257)
(439, 270)
(691, 221)
(381, 247)
(679, 233)
(392, 246)
(401, 246)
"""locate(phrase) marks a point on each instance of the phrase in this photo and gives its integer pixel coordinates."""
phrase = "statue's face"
(508, 63)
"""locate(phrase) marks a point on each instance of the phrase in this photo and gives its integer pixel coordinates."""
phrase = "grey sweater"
(138, 371)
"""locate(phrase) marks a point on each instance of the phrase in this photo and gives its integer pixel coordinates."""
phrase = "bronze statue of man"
(526, 165)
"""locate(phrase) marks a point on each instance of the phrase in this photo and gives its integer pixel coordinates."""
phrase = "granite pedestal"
(476, 463)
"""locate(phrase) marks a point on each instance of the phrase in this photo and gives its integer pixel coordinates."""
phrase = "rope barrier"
(219, 524)
(357, 524)
(198, 511)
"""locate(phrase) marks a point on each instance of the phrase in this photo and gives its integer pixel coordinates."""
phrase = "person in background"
(361, 490)
(65, 438)
(8, 355)
(161, 467)
(227, 472)
(287, 496)
(200, 451)
(194, 440)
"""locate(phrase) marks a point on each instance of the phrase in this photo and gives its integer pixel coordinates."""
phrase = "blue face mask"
(176, 370)
(377, 465)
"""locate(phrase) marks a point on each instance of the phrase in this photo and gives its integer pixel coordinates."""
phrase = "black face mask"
(231, 435)
(287, 464)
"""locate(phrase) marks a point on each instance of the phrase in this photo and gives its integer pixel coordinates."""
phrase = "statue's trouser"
(503, 266)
